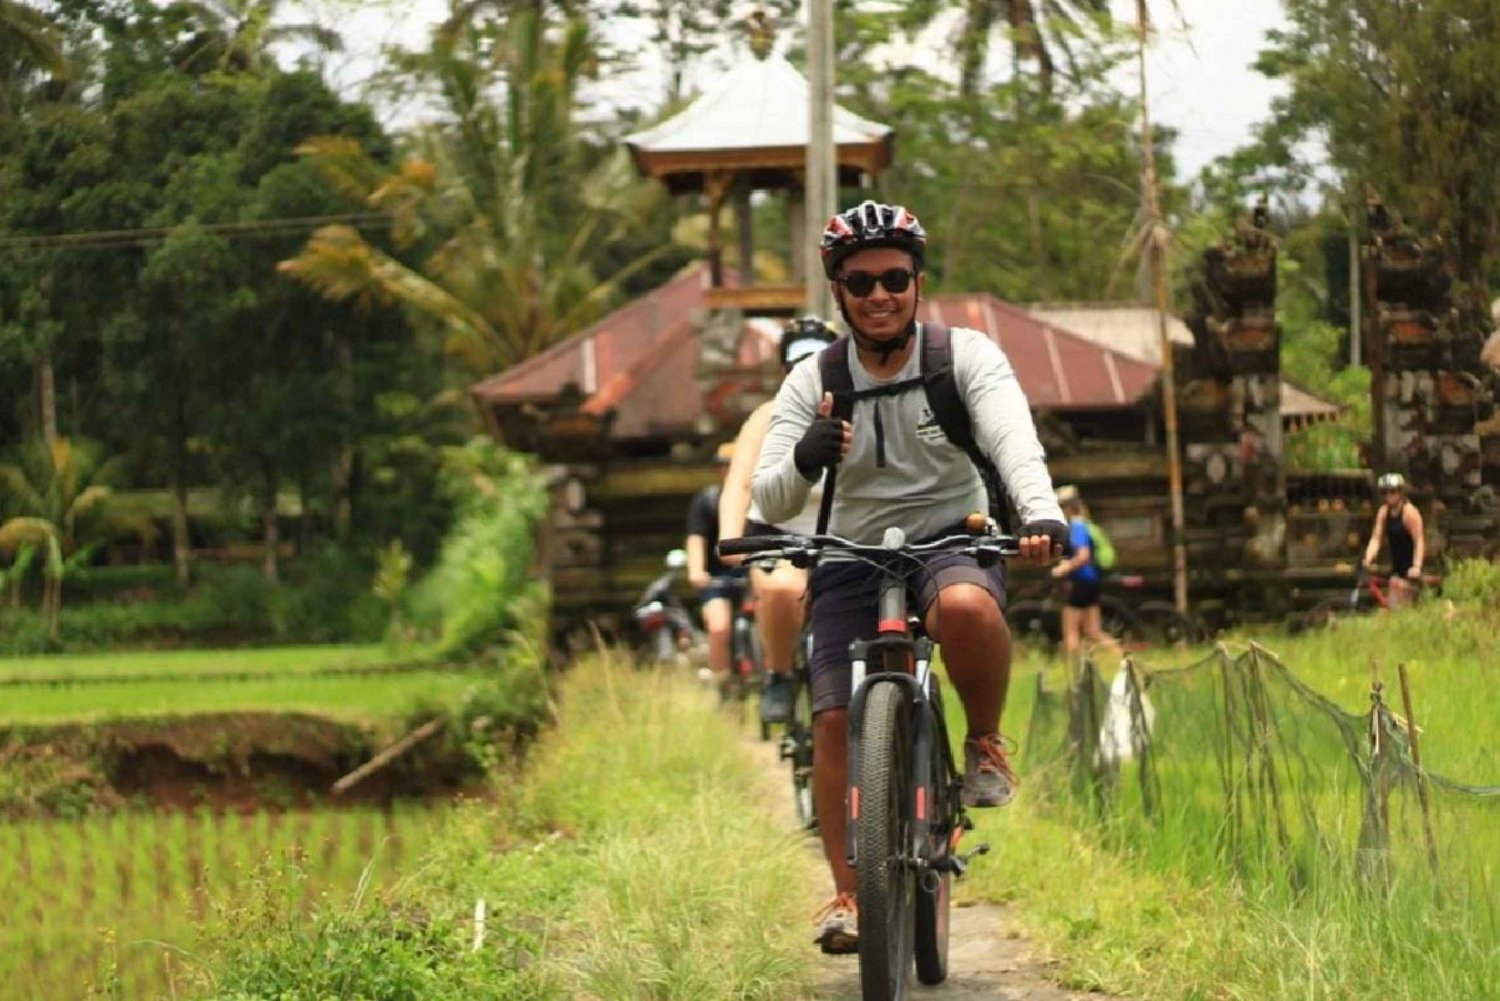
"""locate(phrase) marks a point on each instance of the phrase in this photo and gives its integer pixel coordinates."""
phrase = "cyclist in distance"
(1081, 615)
(1399, 523)
(717, 583)
(898, 467)
(780, 593)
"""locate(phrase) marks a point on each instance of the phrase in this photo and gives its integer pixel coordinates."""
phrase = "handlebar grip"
(750, 545)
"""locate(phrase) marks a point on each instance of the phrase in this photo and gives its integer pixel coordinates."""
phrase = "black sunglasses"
(862, 283)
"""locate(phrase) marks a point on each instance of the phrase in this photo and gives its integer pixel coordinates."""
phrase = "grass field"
(1161, 907)
(177, 663)
(123, 899)
(631, 860)
(352, 697)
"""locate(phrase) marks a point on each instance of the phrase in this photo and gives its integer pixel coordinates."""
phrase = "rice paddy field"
(192, 663)
(121, 901)
(338, 696)
(114, 890)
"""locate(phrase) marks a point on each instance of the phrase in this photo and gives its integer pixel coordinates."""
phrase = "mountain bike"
(1371, 592)
(797, 739)
(1134, 625)
(904, 800)
(746, 659)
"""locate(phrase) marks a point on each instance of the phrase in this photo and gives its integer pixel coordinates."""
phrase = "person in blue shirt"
(1081, 617)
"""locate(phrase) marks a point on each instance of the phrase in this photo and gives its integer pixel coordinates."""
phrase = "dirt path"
(988, 959)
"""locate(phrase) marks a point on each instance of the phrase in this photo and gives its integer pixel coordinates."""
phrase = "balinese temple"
(629, 410)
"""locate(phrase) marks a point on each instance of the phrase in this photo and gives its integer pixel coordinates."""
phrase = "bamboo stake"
(390, 754)
(1416, 759)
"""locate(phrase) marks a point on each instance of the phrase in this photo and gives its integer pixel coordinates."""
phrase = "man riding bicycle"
(780, 593)
(897, 467)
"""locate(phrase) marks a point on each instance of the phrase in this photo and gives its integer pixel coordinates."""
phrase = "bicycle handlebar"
(808, 548)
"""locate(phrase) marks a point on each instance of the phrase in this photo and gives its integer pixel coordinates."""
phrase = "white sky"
(1199, 66)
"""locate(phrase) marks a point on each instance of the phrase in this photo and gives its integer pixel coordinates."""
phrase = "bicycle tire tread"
(878, 942)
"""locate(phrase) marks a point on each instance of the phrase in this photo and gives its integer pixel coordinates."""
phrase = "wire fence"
(1234, 768)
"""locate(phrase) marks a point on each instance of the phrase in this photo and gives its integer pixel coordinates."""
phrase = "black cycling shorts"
(844, 600)
(1083, 593)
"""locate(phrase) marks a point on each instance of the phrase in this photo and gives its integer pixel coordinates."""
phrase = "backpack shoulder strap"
(942, 387)
(952, 415)
(833, 367)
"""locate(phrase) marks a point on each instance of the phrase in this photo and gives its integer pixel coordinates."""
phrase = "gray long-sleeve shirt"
(927, 483)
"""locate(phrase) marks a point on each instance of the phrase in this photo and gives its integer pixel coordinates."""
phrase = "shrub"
(472, 596)
(1474, 582)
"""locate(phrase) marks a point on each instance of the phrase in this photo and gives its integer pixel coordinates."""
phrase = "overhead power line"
(148, 235)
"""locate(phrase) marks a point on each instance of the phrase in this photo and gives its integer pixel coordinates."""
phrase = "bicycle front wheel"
(882, 820)
(934, 895)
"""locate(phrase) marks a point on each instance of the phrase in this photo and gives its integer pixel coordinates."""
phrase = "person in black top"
(1399, 524)
(718, 585)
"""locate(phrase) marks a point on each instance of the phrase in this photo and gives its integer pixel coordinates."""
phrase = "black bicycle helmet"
(871, 224)
(804, 336)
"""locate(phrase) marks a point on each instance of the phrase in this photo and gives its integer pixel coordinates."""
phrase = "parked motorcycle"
(666, 630)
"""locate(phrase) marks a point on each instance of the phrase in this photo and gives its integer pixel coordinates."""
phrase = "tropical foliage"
(61, 505)
(508, 220)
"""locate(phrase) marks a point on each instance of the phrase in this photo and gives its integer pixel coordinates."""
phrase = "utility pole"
(1356, 291)
(1157, 241)
(821, 183)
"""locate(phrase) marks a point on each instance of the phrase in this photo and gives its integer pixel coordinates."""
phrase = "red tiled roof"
(1056, 368)
(596, 356)
(641, 361)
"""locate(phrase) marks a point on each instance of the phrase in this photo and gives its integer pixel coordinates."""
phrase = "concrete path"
(987, 958)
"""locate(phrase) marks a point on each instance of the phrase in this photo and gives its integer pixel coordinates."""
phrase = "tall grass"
(631, 860)
(1155, 906)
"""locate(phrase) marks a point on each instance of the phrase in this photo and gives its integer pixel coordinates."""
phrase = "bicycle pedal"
(983, 848)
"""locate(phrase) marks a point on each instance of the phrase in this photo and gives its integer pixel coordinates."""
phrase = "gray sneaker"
(839, 932)
(988, 777)
(776, 698)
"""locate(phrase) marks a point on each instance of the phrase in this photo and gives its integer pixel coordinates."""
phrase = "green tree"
(1404, 97)
(503, 210)
(682, 31)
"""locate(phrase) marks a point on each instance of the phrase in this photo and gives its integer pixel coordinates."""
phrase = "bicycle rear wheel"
(934, 891)
(882, 820)
(799, 749)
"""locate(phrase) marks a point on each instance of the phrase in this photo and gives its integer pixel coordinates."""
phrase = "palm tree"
(1038, 30)
(508, 242)
(28, 43)
(63, 507)
(237, 35)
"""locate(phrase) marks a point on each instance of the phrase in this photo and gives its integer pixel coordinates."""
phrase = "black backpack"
(947, 406)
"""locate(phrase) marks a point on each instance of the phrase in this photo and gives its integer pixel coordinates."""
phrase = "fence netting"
(1233, 766)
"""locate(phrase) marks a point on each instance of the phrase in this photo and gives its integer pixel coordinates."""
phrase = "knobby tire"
(886, 905)
(799, 738)
(934, 892)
